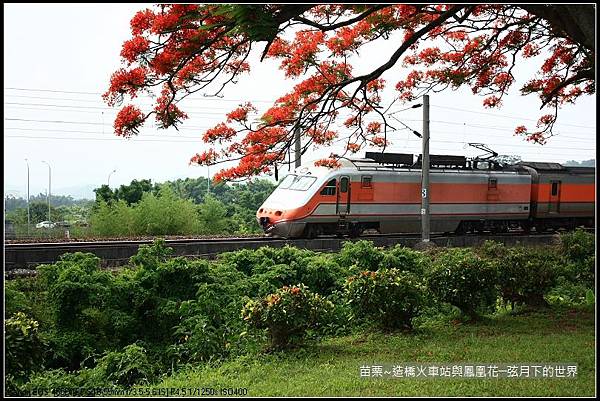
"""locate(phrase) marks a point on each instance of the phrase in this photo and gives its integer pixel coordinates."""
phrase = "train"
(381, 193)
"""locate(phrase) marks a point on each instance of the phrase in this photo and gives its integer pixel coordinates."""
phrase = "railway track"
(22, 258)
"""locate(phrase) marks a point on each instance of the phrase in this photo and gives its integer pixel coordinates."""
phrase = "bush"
(287, 314)
(243, 260)
(275, 277)
(405, 259)
(322, 274)
(54, 382)
(568, 293)
(360, 253)
(261, 260)
(16, 301)
(112, 220)
(212, 217)
(581, 272)
(24, 346)
(491, 249)
(525, 275)
(165, 214)
(160, 214)
(151, 256)
(577, 245)
(391, 297)
(127, 367)
(461, 278)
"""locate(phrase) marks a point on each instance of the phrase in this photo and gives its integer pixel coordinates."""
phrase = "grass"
(331, 367)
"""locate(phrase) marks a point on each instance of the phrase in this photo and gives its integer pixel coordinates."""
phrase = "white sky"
(49, 48)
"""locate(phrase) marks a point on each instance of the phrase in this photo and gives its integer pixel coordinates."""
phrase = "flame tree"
(181, 49)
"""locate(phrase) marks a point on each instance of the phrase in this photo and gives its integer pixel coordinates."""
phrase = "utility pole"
(207, 179)
(425, 173)
(297, 146)
(49, 186)
(28, 214)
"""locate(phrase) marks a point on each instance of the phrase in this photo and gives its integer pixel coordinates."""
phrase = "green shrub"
(261, 260)
(578, 248)
(461, 278)
(25, 347)
(151, 256)
(15, 300)
(274, 277)
(243, 260)
(53, 382)
(341, 320)
(164, 214)
(287, 314)
(322, 274)
(88, 315)
(112, 220)
(196, 338)
(76, 282)
(360, 253)
(577, 245)
(390, 297)
(581, 272)
(128, 367)
(491, 249)
(405, 259)
(212, 217)
(208, 324)
(565, 292)
(525, 275)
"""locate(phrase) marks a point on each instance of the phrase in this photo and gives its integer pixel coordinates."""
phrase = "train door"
(342, 206)
(554, 203)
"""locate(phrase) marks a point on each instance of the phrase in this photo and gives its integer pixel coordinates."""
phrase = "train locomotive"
(382, 193)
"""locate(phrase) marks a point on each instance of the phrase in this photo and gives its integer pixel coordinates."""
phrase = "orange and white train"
(465, 196)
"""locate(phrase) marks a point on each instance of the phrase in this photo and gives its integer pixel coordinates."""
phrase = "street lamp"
(28, 215)
(49, 186)
(114, 171)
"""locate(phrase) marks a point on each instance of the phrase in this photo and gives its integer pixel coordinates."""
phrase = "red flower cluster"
(128, 121)
(206, 158)
(142, 21)
(353, 147)
(219, 133)
(167, 112)
(492, 101)
(299, 54)
(241, 113)
(124, 81)
(329, 163)
(322, 137)
(133, 48)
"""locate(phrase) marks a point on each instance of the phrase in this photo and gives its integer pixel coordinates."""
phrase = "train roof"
(557, 167)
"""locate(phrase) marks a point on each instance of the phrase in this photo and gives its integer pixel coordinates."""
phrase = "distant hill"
(77, 192)
(583, 163)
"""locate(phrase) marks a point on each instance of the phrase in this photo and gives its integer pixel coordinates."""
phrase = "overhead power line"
(212, 98)
(507, 116)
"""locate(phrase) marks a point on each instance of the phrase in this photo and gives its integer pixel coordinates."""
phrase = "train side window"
(492, 183)
(329, 188)
(554, 188)
(344, 184)
(366, 181)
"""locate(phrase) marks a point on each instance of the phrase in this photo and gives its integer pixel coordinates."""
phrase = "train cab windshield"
(297, 183)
